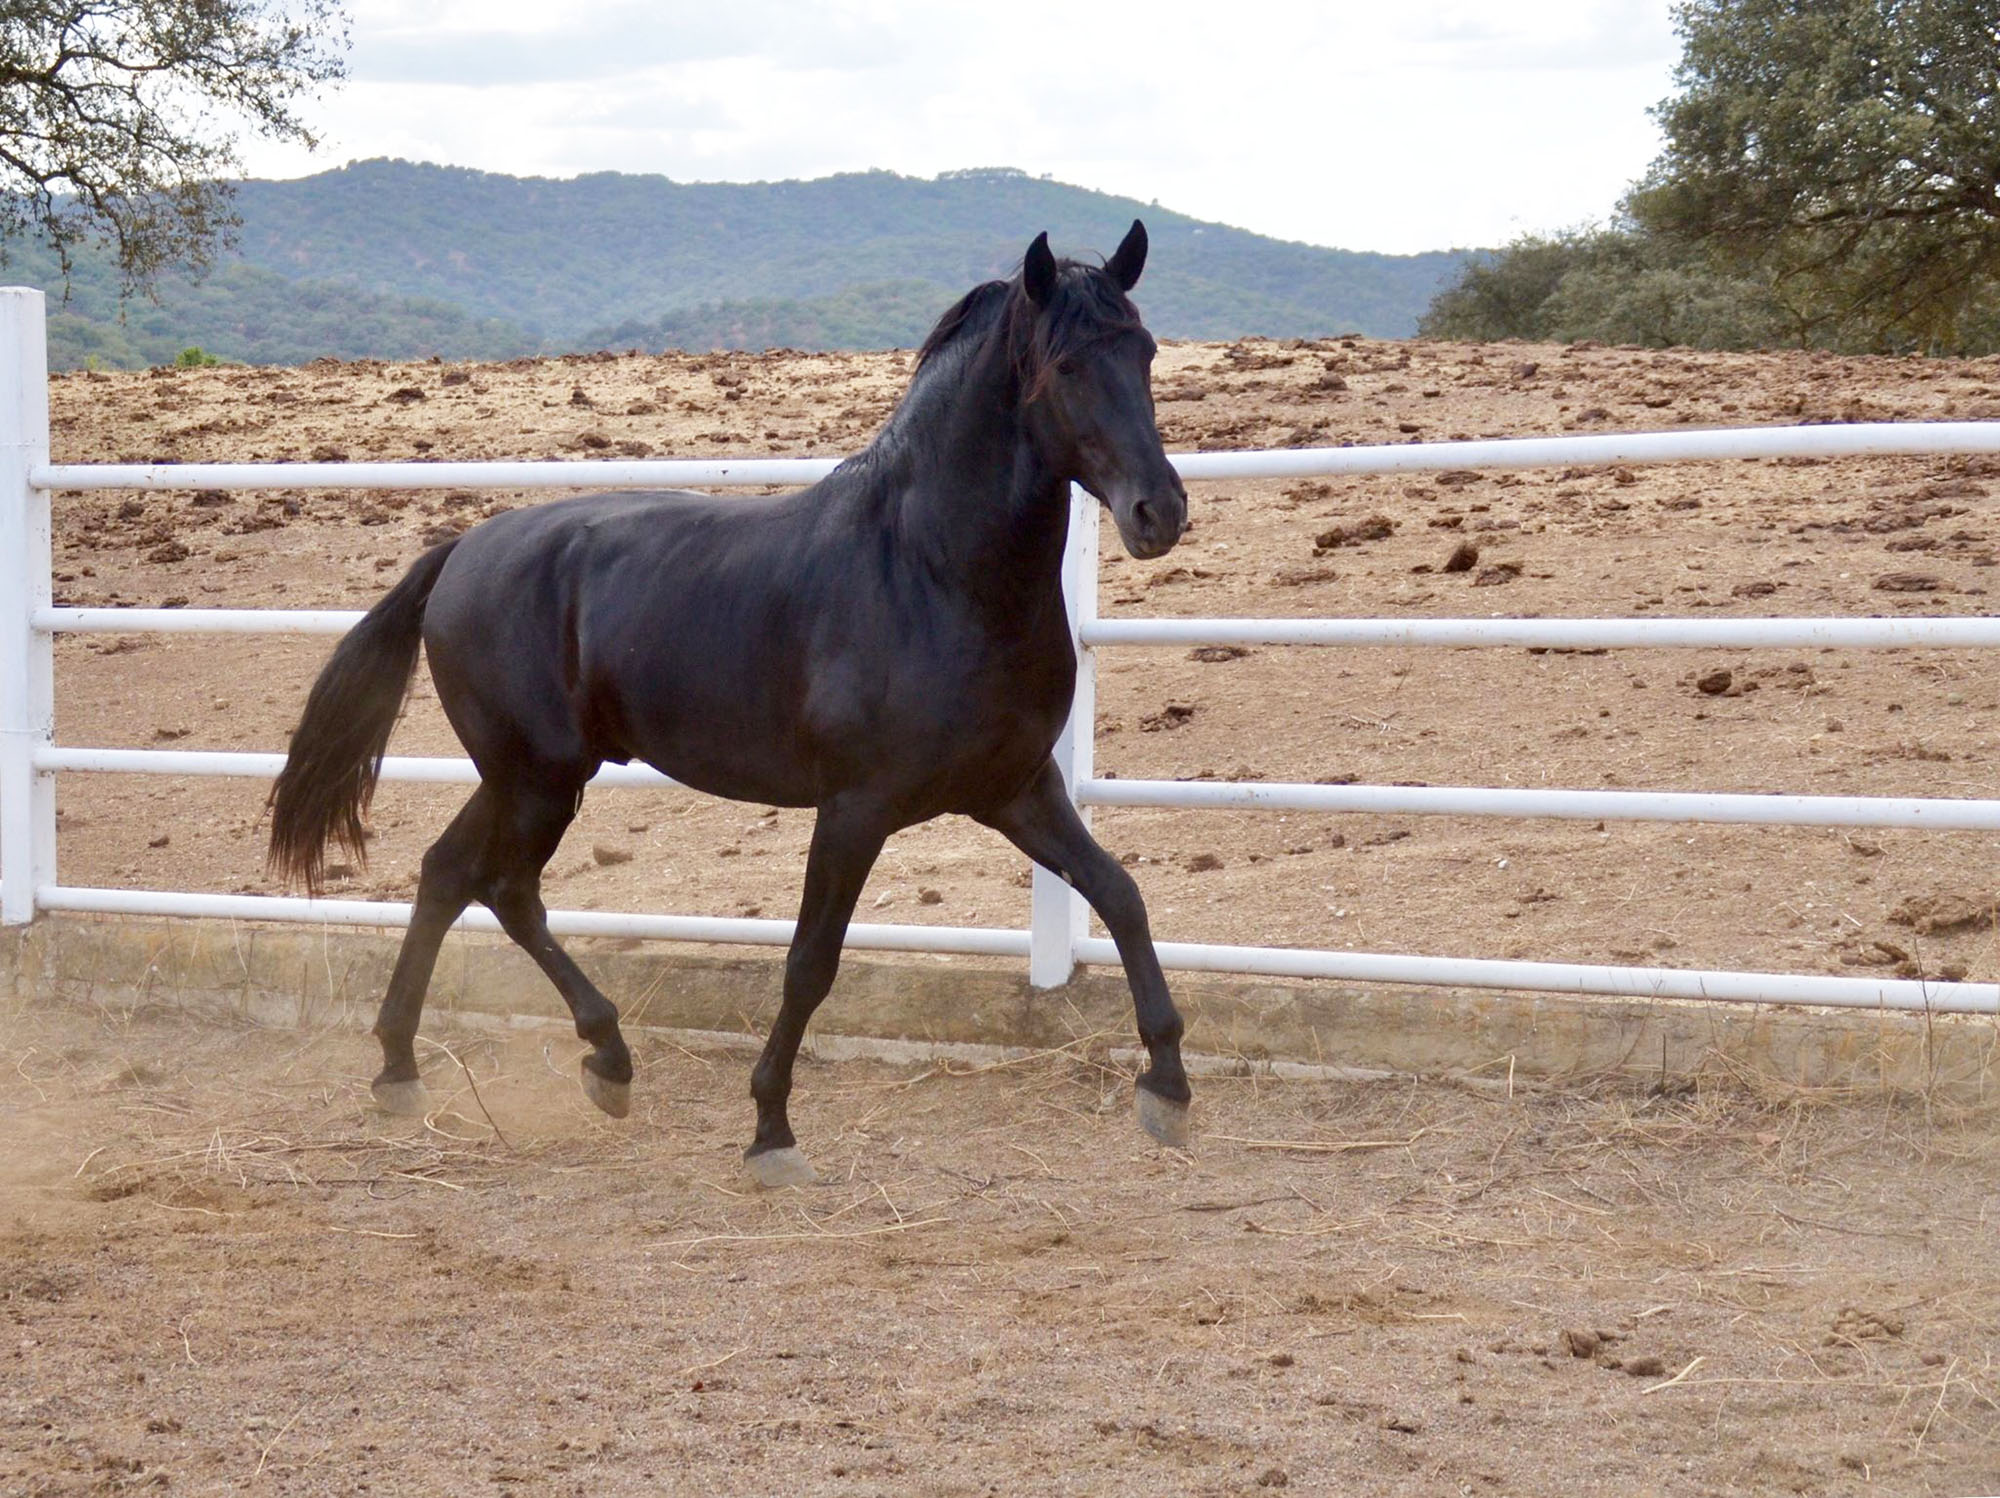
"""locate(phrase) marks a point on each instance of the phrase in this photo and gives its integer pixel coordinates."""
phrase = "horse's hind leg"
(1042, 823)
(494, 852)
(529, 822)
(444, 889)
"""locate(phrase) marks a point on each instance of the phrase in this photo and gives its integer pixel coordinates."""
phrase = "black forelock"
(1086, 305)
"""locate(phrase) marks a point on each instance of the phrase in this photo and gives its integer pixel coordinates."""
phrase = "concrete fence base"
(285, 976)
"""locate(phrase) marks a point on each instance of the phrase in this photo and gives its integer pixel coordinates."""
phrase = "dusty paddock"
(222, 1273)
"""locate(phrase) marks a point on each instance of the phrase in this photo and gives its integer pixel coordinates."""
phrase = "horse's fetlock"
(599, 1029)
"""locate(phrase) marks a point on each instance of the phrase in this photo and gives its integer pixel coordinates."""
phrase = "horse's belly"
(918, 766)
(737, 780)
(943, 722)
(720, 754)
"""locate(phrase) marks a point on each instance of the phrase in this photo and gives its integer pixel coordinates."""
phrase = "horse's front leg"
(1042, 823)
(845, 842)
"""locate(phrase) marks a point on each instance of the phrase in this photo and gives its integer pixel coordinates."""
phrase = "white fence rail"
(1058, 934)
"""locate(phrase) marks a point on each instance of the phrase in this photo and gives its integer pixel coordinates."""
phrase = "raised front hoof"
(614, 1098)
(409, 1099)
(1165, 1120)
(772, 1169)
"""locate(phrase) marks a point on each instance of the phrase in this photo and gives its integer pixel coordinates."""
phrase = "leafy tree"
(1844, 152)
(1621, 284)
(1635, 294)
(1831, 179)
(112, 116)
(1505, 293)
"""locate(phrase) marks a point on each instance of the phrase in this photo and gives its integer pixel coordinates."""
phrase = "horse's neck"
(975, 499)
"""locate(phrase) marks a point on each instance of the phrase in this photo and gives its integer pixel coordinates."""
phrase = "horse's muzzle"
(1150, 525)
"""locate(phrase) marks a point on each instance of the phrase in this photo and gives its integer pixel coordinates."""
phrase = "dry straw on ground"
(226, 1271)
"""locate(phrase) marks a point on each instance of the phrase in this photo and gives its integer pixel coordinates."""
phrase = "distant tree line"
(478, 265)
(1831, 179)
(241, 313)
(895, 314)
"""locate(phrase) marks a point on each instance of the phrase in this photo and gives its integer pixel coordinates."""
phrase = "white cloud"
(617, 39)
(1555, 35)
(1404, 127)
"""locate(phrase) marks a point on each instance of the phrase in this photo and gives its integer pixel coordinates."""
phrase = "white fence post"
(27, 659)
(1060, 918)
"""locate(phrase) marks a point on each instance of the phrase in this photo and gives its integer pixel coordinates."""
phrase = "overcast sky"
(1401, 126)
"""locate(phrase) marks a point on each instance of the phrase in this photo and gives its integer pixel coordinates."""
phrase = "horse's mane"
(976, 311)
(1086, 306)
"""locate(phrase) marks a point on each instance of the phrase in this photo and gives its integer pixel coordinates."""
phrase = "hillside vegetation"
(394, 259)
(246, 314)
(1826, 182)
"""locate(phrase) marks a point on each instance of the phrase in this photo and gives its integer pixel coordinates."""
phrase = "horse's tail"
(336, 751)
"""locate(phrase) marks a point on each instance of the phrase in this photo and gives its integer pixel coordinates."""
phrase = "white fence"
(1058, 935)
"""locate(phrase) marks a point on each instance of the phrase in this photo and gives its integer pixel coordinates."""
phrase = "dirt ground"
(220, 1272)
(224, 1274)
(1798, 537)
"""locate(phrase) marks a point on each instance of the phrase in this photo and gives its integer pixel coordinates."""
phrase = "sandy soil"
(220, 1273)
(1800, 537)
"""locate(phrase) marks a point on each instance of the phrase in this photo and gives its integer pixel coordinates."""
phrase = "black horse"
(886, 646)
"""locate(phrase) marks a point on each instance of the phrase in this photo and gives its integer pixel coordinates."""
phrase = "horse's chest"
(997, 723)
(1013, 678)
(954, 710)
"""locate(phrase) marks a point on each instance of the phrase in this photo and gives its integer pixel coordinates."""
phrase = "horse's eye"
(1066, 367)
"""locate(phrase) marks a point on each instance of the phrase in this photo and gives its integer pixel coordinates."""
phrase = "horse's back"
(593, 629)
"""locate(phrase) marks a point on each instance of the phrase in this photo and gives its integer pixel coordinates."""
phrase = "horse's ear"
(1038, 271)
(1129, 258)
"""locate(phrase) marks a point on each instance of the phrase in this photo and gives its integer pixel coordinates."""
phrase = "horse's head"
(1088, 391)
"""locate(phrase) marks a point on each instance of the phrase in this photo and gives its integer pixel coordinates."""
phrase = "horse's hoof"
(403, 1099)
(772, 1169)
(1165, 1120)
(614, 1098)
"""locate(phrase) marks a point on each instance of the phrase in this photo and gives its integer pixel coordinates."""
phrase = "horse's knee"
(1115, 896)
(442, 879)
(440, 863)
(517, 904)
(809, 974)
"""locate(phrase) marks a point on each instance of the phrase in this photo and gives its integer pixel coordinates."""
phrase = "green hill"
(895, 314)
(244, 313)
(396, 259)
